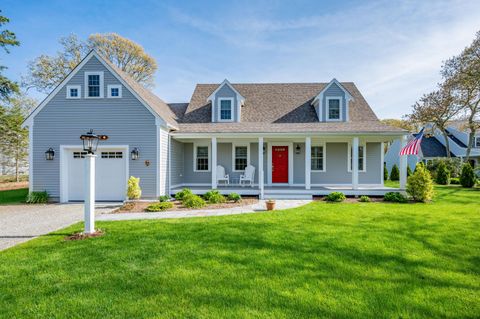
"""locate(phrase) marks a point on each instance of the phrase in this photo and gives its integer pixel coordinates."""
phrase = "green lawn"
(370, 260)
(15, 196)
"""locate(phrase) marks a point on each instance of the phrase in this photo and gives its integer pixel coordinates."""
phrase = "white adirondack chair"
(248, 176)
(221, 176)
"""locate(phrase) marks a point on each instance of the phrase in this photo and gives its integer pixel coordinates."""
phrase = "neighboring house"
(433, 147)
(299, 139)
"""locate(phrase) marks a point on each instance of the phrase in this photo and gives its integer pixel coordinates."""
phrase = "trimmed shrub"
(159, 207)
(395, 173)
(214, 197)
(163, 198)
(394, 197)
(385, 172)
(454, 166)
(467, 177)
(37, 198)
(234, 197)
(183, 193)
(134, 191)
(335, 197)
(455, 181)
(409, 171)
(193, 201)
(364, 199)
(443, 174)
(420, 185)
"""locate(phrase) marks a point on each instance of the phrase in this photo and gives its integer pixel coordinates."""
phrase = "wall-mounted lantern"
(50, 154)
(297, 149)
(264, 149)
(135, 154)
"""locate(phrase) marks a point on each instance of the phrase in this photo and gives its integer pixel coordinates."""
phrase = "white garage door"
(110, 176)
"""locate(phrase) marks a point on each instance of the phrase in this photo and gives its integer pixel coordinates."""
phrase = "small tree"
(467, 177)
(385, 172)
(420, 185)
(409, 171)
(395, 173)
(134, 191)
(443, 174)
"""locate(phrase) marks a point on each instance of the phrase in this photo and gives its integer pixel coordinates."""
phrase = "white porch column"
(403, 164)
(308, 156)
(214, 162)
(260, 167)
(89, 191)
(355, 162)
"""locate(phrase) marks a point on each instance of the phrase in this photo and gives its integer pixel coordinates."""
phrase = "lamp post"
(90, 142)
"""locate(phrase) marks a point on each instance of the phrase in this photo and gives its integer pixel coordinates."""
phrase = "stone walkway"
(259, 207)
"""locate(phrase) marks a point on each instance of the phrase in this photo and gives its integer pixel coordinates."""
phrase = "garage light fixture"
(50, 154)
(90, 141)
(135, 154)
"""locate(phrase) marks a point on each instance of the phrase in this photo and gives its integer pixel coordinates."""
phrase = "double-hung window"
(361, 158)
(226, 110)
(94, 84)
(318, 158)
(240, 157)
(333, 109)
(202, 158)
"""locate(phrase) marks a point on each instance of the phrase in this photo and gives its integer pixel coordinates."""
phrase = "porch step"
(287, 196)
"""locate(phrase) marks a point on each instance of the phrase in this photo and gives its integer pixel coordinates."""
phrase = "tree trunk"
(447, 144)
(17, 160)
(471, 137)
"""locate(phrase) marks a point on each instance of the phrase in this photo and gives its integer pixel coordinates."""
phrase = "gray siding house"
(284, 139)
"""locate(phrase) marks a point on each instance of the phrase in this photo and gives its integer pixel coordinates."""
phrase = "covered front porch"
(285, 166)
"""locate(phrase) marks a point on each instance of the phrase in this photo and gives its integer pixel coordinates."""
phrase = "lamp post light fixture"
(90, 142)
(50, 154)
(135, 154)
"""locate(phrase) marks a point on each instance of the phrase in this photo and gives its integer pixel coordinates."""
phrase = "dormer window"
(226, 110)
(94, 84)
(334, 109)
(114, 91)
(73, 91)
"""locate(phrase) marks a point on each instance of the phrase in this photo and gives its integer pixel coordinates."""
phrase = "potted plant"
(270, 204)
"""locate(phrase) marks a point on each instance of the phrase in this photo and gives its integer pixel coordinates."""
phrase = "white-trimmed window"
(94, 84)
(477, 142)
(201, 158)
(225, 109)
(317, 158)
(240, 156)
(73, 92)
(334, 108)
(114, 91)
(362, 157)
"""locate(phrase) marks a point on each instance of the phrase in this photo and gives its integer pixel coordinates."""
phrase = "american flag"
(413, 146)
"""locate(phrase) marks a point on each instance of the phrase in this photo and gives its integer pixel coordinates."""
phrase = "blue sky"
(392, 50)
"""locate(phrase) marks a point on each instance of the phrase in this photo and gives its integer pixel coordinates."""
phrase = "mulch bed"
(82, 236)
(138, 207)
(353, 199)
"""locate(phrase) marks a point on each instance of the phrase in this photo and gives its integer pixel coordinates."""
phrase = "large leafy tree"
(463, 71)
(46, 72)
(404, 124)
(7, 39)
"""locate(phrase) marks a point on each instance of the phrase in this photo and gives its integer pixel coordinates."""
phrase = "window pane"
(334, 109)
(225, 110)
(360, 158)
(114, 92)
(73, 92)
(94, 85)
(241, 158)
(202, 158)
(317, 158)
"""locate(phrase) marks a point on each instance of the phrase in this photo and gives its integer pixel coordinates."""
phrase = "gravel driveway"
(20, 223)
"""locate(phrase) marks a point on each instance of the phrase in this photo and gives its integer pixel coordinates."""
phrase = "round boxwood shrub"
(193, 201)
(420, 185)
(183, 193)
(214, 197)
(443, 174)
(335, 197)
(364, 199)
(394, 197)
(467, 177)
(234, 197)
(395, 173)
(159, 207)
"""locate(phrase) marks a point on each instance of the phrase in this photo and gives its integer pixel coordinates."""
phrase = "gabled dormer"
(226, 103)
(332, 103)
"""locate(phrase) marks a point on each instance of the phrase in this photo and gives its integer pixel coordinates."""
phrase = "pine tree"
(467, 177)
(395, 173)
(443, 174)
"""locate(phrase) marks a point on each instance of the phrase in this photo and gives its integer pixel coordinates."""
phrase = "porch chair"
(248, 176)
(221, 176)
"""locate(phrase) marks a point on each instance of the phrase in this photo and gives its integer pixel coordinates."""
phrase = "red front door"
(279, 164)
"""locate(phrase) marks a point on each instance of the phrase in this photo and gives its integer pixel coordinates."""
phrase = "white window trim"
(364, 145)
(233, 155)
(102, 88)
(324, 145)
(78, 87)
(219, 109)
(327, 108)
(114, 86)
(195, 145)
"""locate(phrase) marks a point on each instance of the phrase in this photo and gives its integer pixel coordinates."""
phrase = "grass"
(14, 196)
(365, 260)
(394, 184)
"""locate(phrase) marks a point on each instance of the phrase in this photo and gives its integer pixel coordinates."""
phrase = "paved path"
(260, 206)
(20, 223)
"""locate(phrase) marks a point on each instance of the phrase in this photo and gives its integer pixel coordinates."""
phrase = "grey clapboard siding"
(226, 92)
(176, 162)
(163, 162)
(189, 175)
(126, 121)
